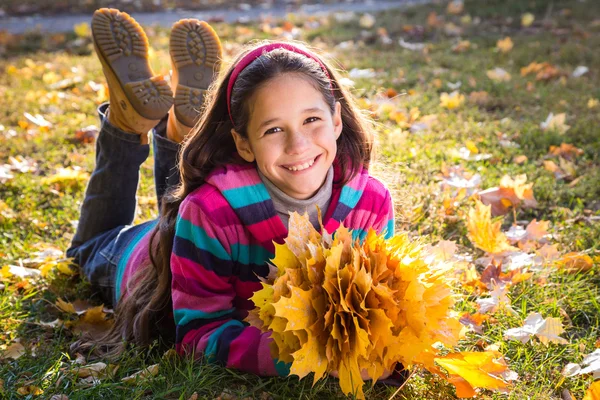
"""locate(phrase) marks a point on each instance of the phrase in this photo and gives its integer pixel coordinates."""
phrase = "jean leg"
(166, 160)
(110, 195)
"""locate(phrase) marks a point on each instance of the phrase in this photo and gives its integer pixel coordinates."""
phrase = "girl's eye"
(312, 119)
(272, 130)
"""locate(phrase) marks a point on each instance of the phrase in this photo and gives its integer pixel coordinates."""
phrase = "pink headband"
(259, 51)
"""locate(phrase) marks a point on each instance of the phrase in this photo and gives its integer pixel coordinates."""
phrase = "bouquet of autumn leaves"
(336, 304)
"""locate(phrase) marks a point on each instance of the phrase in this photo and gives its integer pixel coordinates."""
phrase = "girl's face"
(291, 135)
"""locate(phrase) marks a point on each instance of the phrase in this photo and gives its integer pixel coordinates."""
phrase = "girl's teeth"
(301, 167)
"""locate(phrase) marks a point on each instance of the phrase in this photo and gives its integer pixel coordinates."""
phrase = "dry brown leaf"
(93, 322)
(146, 373)
(575, 262)
(566, 151)
(65, 306)
(29, 389)
(474, 321)
(14, 351)
(95, 370)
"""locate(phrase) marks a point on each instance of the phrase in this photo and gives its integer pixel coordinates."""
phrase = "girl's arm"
(208, 323)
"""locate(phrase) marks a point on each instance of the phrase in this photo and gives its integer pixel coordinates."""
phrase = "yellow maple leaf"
(593, 392)
(485, 234)
(469, 370)
(65, 306)
(82, 30)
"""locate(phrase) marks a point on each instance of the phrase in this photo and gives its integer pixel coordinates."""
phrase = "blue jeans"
(108, 209)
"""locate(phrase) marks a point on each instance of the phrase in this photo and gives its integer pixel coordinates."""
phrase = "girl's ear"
(337, 120)
(243, 146)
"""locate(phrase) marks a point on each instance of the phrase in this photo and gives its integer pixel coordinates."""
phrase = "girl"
(277, 134)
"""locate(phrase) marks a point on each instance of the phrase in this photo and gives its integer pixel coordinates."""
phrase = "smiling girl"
(277, 134)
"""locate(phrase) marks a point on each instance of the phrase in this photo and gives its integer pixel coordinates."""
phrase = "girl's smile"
(292, 134)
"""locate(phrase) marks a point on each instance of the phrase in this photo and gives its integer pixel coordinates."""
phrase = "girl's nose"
(296, 143)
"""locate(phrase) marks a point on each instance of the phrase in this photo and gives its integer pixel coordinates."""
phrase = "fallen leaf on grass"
(95, 370)
(547, 330)
(65, 306)
(575, 262)
(29, 389)
(498, 75)
(589, 365)
(470, 370)
(462, 46)
(593, 103)
(555, 123)
(593, 392)
(13, 351)
(452, 101)
(455, 7)
(511, 193)
(82, 30)
(474, 321)
(527, 19)
(480, 98)
(485, 234)
(87, 134)
(565, 170)
(505, 45)
(141, 375)
(492, 275)
(499, 300)
(580, 71)
(93, 322)
(66, 178)
(543, 71)
(566, 151)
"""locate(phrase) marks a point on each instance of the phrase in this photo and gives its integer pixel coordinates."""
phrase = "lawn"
(456, 107)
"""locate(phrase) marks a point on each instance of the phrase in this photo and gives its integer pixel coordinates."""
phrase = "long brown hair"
(144, 313)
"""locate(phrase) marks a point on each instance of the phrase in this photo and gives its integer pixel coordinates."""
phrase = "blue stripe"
(185, 315)
(127, 254)
(250, 254)
(213, 340)
(282, 368)
(358, 233)
(390, 229)
(246, 195)
(350, 196)
(198, 236)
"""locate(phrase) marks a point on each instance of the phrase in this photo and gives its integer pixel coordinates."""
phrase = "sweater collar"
(243, 189)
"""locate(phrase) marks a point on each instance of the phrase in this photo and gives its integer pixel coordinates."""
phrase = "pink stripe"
(266, 364)
(263, 230)
(209, 303)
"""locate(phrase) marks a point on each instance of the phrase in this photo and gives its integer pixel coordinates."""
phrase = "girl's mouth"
(302, 167)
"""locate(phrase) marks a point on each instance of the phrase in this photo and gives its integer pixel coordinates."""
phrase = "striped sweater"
(224, 238)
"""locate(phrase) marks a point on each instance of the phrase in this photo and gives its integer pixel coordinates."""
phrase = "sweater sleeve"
(207, 322)
(385, 221)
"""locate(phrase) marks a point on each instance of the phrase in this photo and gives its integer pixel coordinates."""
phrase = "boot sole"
(196, 53)
(122, 47)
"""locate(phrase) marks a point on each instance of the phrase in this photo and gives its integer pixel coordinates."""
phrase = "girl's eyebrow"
(305, 111)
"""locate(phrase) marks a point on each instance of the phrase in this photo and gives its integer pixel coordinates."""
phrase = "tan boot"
(138, 98)
(196, 54)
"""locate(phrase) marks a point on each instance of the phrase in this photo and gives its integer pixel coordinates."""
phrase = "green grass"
(410, 164)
